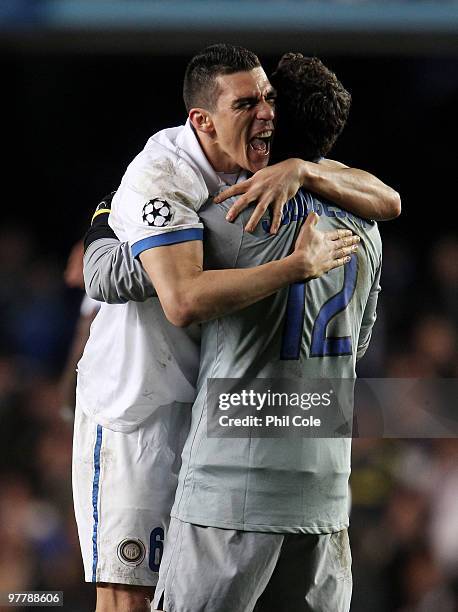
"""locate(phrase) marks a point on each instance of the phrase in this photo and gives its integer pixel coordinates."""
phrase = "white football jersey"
(136, 361)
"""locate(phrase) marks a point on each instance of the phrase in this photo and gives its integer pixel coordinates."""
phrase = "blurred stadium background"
(84, 84)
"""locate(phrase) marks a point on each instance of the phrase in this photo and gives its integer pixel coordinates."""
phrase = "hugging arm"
(190, 294)
(187, 292)
(111, 273)
(354, 190)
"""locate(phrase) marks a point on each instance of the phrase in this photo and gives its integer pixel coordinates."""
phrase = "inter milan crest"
(157, 213)
(131, 552)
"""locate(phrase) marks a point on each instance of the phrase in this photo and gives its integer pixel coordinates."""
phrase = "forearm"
(112, 275)
(212, 298)
(205, 295)
(188, 294)
(354, 190)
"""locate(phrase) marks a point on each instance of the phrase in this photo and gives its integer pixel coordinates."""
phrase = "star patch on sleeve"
(157, 213)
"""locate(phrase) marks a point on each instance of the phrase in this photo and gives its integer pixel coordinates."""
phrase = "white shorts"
(208, 569)
(123, 489)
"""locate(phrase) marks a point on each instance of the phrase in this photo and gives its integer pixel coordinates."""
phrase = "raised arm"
(354, 190)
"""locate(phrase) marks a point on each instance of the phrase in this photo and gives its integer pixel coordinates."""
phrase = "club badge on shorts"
(131, 552)
(157, 213)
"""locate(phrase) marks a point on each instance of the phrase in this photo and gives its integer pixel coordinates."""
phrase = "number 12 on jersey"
(321, 345)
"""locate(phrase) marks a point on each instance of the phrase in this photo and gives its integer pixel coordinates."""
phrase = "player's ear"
(201, 120)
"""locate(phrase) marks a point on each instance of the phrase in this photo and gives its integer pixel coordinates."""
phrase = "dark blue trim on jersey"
(294, 322)
(185, 235)
(95, 500)
(321, 345)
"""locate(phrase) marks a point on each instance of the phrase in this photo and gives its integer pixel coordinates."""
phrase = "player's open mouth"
(260, 143)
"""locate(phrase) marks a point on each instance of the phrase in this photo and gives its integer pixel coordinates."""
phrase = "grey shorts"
(207, 569)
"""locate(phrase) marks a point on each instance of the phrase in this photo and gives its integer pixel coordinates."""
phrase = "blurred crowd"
(404, 492)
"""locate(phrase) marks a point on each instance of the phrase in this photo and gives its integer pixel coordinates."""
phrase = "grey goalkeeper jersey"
(312, 330)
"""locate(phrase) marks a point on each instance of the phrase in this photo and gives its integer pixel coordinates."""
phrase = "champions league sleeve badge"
(131, 552)
(157, 213)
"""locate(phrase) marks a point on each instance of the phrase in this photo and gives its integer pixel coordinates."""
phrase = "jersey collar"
(187, 141)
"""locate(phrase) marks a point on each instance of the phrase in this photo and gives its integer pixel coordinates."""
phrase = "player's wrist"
(307, 173)
(295, 268)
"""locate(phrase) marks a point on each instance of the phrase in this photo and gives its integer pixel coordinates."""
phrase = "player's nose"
(266, 111)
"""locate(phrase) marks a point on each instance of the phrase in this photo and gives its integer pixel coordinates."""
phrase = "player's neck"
(219, 160)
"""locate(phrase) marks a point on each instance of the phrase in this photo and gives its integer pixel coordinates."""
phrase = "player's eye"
(246, 104)
(272, 99)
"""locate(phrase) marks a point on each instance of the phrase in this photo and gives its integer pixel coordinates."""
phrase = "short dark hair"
(312, 106)
(200, 88)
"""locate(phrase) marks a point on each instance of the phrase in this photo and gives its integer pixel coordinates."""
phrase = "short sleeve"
(157, 204)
